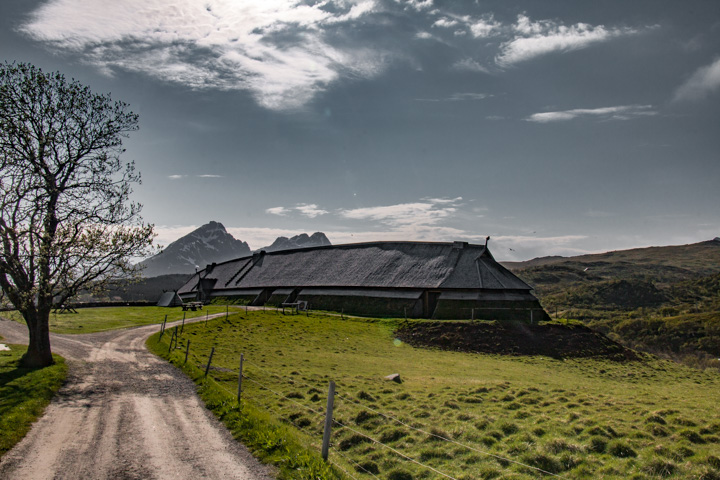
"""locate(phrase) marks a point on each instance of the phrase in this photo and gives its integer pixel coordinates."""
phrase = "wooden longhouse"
(391, 279)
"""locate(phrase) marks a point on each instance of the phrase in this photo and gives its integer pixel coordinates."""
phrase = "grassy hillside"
(660, 299)
(466, 415)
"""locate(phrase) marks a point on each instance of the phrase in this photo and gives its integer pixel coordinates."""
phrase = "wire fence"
(259, 377)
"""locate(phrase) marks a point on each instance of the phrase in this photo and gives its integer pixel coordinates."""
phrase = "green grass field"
(90, 320)
(24, 394)
(468, 416)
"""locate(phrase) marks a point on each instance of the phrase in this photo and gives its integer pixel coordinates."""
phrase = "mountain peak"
(303, 240)
(207, 244)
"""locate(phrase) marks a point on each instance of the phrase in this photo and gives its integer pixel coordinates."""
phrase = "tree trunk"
(38, 353)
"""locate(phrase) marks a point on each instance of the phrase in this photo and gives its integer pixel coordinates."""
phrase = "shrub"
(660, 467)
(597, 444)
(618, 448)
(363, 416)
(508, 428)
(392, 435)
(426, 455)
(350, 442)
(692, 436)
(713, 461)
(367, 466)
(544, 462)
(399, 475)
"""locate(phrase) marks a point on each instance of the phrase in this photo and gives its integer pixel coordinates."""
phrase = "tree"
(66, 222)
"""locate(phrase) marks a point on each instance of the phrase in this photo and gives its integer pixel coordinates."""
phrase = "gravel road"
(124, 414)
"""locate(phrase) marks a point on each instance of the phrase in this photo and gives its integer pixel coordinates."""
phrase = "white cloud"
(209, 176)
(219, 44)
(445, 22)
(416, 4)
(704, 82)
(470, 65)
(622, 112)
(176, 177)
(424, 35)
(533, 39)
(418, 214)
(461, 97)
(485, 27)
(277, 211)
(457, 97)
(310, 210)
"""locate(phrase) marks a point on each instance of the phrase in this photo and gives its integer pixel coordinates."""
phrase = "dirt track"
(123, 414)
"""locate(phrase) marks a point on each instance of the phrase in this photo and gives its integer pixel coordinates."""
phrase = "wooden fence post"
(187, 350)
(182, 329)
(227, 309)
(173, 337)
(242, 357)
(206, 317)
(328, 420)
(207, 369)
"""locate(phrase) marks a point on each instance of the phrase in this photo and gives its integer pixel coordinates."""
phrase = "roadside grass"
(268, 438)
(469, 416)
(91, 320)
(24, 394)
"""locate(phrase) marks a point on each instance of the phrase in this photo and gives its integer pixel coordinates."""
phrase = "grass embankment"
(90, 320)
(24, 394)
(581, 418)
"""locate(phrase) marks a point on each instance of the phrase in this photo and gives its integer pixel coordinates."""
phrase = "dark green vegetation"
(468, 415)
(89, 320)
(661, 299)
(148, 289)
(24, 394)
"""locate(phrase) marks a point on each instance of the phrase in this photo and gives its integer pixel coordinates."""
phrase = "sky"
(554, 127)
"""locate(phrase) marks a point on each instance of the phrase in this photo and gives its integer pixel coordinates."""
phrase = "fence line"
(394, 450)
(353, 462)
(363, 406)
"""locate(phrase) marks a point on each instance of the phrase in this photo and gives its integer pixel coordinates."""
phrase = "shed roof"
(426, 265)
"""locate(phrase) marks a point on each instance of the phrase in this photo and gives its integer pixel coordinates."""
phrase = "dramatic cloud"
(622, 112)
(533, 39)
(277, 49)
(705, 81)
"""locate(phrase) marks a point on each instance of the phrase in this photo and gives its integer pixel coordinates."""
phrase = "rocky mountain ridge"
(211, 243)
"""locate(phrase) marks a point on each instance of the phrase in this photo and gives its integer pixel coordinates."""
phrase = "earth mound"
(514, 338)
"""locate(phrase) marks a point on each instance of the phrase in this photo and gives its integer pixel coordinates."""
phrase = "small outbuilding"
(170, 299)
(454, 280)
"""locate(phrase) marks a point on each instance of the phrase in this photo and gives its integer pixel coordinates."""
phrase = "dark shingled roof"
(423, 265)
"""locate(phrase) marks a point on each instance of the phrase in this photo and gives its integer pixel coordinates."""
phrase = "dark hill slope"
(661, 299)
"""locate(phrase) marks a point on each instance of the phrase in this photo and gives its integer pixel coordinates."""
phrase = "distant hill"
(208, 244)
(661, 299)
(317, 239)
(660, 265)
